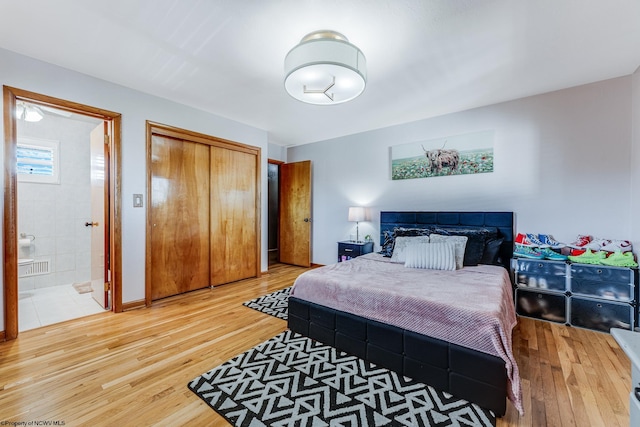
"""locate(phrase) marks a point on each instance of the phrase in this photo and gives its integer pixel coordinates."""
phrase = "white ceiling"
(424, 57)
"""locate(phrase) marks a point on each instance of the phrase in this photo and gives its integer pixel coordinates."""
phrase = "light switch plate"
(137, 200)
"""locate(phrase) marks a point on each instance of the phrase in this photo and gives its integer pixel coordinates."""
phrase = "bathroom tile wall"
(55, 214)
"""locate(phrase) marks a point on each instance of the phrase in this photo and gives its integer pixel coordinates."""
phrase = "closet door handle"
(91, 224)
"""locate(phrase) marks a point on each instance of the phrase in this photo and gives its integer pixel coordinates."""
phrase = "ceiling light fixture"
(29, 113)
(325, 69)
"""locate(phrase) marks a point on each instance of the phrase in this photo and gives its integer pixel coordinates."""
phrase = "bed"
(354, 306)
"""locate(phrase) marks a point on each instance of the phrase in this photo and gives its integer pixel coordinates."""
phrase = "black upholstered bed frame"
(478, 377)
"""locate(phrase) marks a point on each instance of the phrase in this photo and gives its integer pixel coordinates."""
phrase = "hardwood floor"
(133, 368)
(570, 377)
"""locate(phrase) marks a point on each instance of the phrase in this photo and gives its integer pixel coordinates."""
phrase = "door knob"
(307, 220)
(91, 224)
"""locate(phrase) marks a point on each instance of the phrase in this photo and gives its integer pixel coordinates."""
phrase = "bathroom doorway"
(57, 171)
(60, 201)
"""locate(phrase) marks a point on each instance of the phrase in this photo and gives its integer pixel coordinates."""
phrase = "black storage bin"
(541, 305)
(550, 275)
(602, 282)
(600, 315)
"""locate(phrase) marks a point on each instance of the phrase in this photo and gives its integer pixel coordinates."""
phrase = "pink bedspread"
(471, 307)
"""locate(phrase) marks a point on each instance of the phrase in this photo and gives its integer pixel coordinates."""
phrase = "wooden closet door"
(234, 238)
(179, 216)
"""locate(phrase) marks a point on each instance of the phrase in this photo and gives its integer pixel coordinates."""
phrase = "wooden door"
(179, 216)
(234, 219)
(295, 213)
(99, 223)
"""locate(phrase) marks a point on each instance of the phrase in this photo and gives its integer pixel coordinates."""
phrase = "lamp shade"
(325, 69)
(356, 214)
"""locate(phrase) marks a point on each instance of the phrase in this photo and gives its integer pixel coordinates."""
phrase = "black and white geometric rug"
(275, 304)
(291, 380)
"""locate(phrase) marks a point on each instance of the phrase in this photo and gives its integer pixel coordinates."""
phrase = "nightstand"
(350, 249)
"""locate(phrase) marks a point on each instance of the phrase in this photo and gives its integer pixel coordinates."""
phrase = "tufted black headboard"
(503, 221)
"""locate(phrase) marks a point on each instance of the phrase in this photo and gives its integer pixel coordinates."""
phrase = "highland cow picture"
(452, 155)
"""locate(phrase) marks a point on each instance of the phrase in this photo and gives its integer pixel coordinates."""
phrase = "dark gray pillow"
(477, 237)
(387, 243)
(491, 253)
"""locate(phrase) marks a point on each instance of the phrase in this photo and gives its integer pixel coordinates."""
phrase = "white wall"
(562, 164)
(36, 76)
(635, 158)
(277, 152)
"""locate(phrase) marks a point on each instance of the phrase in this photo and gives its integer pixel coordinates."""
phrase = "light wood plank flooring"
(133, 368)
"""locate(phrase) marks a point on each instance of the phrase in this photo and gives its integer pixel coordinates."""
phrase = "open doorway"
(294, 226)
(289, 208)
(273, 174)
(60, 225)
(47, 173)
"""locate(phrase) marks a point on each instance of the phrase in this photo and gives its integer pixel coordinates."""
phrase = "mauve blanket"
(471, 307)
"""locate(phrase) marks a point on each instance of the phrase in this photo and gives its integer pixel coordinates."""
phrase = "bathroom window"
(38, 161)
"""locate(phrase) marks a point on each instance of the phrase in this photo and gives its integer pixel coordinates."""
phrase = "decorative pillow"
(390, 236)
(401, 244)
(477, 237)
(435, 256)
(386, 248)
(459, 243)
(491, 254)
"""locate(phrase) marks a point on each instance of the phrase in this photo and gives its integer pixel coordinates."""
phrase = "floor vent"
(37, 268)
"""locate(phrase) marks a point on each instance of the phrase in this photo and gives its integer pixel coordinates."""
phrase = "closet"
(203, 223)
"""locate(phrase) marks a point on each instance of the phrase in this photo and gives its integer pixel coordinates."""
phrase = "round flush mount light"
(28, 112)
(325, 69)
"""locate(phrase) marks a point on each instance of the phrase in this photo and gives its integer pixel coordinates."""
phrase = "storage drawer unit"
(540, 274)
(600, 315)
(596, 297)
(541, 305)
(348, 250)
(611, 283)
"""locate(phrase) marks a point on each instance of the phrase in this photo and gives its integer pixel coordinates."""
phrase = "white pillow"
(436, 256)
(401, 244)
(459, 243)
